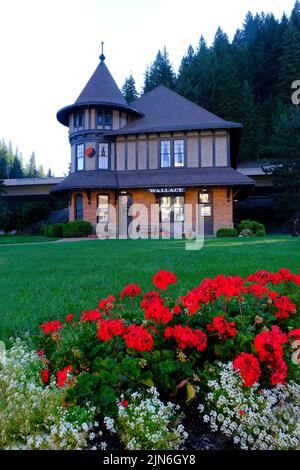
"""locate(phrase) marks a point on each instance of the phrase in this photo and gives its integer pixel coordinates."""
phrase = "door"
(172, 215)
(125, 202)
(205, 201)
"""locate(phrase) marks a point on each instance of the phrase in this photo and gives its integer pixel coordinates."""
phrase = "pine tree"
(16, 169)
(160, 72)
(290, 58)
(31, 170)
(284, 149)
(49, 173)
(129, 90)
(248, 149)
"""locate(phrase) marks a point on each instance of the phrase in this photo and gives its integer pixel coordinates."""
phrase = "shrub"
(31, 415)
(256, 418)
(54, 230)
(251, 225)
(77, 228)
(260, 233)
(246, 232)
(145, 422)
(226, 232)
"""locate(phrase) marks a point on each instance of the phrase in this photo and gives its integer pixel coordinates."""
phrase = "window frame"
(76, 210)
(161, 154)
(172, 153)
(104, 113)
(76, 118)
(81, 157)
(177, 153)
(108, 157)
(97, 216)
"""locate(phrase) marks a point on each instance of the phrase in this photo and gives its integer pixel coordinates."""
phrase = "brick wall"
(222, 208)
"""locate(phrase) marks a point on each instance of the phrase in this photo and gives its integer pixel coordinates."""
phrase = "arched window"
(79, 207)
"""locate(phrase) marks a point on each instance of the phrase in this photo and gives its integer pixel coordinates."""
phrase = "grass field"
(47, 281)
(9, 239)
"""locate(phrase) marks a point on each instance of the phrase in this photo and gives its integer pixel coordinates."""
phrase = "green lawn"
(47, 281)
(8, 239)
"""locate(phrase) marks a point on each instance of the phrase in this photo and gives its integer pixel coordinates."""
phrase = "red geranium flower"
(107, 303)
(69, 317)
(124, 403)
(40, 352)
(62, 375)
(51, 326)
(45, 375)
(130, 291)
(163, 279)
(249, 368)
(109, 328)
(139, 338)
(285, 307)
(185, 337)
(91, 315)
(224, 328)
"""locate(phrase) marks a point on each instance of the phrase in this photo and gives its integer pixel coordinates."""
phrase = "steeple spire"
(102, 56)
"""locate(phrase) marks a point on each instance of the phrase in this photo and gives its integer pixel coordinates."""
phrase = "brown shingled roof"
(165, 110)
(214, 176)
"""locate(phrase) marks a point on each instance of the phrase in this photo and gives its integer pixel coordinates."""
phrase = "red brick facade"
(221, 205)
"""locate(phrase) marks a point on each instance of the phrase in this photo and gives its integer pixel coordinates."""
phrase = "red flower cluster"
(130, 291)
(224, 328)
(185, 337)
(285, 307)
(295, 334)
(265, 277)
(51, 326)
(45, 375)
(109, 328)
(269, 347)
(91, 315)
(139, 338)
(62, 375)
(107, 303)
(163, 279)
(69, 317)
(249, 368)
(149, 298)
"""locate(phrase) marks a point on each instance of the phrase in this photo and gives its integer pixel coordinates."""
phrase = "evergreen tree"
(249, 118)
(16, 170)
(31, 170)
(290, 58)
(49, 173)
(129, 90)
(160, 72)
(284, 149)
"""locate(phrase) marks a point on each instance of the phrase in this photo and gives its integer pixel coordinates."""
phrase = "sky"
(50, 48)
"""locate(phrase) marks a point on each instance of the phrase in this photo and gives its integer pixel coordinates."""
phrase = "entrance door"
(172, 215)
(125, 202)
(205, 199)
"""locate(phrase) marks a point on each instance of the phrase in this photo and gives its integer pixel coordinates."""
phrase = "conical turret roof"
(100, 90)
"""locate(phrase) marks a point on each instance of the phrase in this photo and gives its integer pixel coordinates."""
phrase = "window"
(172, 208)
(205, 201)
(165, 153)
(104, 118)
(102, 208)
(78, 119)
(178, 208)
(80, 157)
(103, 156)
(178, 152)
(79, 207)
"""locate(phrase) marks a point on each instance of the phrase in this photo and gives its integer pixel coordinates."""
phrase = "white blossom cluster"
(256, 419)
(32, 415)
(146, 423)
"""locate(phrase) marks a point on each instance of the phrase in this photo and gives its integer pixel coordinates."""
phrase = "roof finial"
(102, 56)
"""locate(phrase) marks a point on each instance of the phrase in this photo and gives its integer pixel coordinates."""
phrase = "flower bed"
(137, 341)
